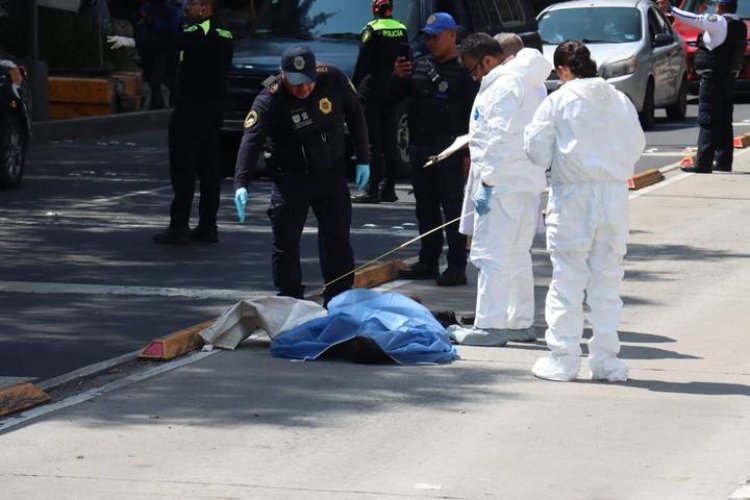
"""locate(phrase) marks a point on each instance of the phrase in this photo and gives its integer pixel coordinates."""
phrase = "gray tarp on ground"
(271, 314)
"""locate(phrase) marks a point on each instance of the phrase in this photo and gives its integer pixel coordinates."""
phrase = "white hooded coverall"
(507, 99)
(589, 135)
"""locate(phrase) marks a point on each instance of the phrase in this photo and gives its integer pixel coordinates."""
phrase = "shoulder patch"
(366, 35)
(271, 83)
(224, 33)
(251, 119)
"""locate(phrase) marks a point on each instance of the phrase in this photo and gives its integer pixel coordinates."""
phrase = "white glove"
(116, 42)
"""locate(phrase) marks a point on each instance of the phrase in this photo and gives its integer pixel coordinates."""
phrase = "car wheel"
(678, 110)
(397, 147)
(646, 115)
(12, 152)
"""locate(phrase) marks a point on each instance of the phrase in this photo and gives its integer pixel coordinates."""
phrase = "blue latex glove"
(240, 201)
(361, 175)
(482, 200)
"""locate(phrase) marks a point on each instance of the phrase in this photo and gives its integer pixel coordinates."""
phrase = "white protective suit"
(507, 99)
(589, 135)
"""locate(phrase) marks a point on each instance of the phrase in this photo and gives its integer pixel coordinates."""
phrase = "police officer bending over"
(442, 93)
(196, 120)
(720, 57)
(303, 110)
(382, 40)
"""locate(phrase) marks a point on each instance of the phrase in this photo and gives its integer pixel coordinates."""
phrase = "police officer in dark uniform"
(718, 61)
(205, 59)
(382, 40)
(303, 110)
(442, 93)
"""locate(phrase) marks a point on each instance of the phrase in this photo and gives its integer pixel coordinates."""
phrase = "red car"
(690, 35)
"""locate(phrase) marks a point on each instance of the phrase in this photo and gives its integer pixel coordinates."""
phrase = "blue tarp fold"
(402, 328)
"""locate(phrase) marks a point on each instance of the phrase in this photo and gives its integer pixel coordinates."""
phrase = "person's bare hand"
(402, 67)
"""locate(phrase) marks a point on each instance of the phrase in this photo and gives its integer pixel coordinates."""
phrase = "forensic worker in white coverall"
(588, 134)
(507, 196)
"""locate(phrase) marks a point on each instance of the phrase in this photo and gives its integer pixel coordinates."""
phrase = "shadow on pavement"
(701, 388)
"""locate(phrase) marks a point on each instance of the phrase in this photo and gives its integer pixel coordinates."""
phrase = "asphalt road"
(82, 282)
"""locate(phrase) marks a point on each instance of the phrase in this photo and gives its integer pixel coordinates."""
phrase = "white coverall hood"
(593, 140)
(507, 99)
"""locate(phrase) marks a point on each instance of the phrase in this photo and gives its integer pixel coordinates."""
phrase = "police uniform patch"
(325, 106)
(443, 86)
(299, 63)
(251, 119)
(274, 88)
(366, 35)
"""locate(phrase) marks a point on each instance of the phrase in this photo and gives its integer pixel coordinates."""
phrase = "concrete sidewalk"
(244, 425)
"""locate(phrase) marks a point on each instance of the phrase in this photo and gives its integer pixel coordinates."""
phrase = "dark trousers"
(382, 165)
(330, 200)
(159, 69)
(715, 114)
(193, 152)
(438, 191)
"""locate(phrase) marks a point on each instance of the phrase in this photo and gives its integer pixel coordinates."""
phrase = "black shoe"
(203, 235)
(452, 277)
(366, 198)
(722, 169)
(693, 170)
(173, 237)
(389, 196)
(419, 271)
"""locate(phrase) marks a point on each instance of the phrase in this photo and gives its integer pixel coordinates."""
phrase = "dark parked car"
(14, 122)
(331, 29)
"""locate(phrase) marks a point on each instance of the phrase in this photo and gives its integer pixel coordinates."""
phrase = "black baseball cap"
(298, 64)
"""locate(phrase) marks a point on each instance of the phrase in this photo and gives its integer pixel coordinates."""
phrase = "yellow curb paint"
(644, 179)
(378, 273)
(21, 397)
(175, 344)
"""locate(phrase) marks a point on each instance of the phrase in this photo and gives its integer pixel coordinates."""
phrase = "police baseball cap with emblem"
(439, 22)
(298, 64)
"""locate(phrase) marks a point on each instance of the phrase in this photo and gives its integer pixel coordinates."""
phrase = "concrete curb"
(95, 126)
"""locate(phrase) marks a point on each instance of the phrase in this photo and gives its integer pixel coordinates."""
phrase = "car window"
(326, 18)
(591, 25)
(654, 25)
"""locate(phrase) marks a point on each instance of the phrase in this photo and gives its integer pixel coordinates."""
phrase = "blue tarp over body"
(402, 328)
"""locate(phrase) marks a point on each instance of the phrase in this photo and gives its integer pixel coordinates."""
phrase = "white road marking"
(657, 154)
(10, 422)
(140, 291)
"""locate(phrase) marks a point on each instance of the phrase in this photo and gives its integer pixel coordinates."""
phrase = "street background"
(82, 282)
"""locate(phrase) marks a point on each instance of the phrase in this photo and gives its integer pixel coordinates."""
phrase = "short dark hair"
(576, 56)
(479, 45)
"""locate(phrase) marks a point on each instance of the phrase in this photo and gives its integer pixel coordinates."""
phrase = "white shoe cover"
(609, 368)
(560, 368)
(481, 337)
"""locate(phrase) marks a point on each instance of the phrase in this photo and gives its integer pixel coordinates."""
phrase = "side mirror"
(663, 39)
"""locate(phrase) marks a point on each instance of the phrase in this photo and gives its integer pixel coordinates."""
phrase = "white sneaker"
(481, 337)
(560, 368)
(609, 368)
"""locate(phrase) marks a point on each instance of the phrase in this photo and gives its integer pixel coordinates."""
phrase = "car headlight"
(619, 68)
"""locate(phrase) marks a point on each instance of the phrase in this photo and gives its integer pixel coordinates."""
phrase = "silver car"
(634, 46)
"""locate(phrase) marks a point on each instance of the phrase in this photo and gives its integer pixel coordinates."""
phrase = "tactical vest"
(726, 59)
(311, 137)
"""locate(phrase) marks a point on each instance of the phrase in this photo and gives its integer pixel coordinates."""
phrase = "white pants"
(466, 224)
(501, 250)
(587, 230)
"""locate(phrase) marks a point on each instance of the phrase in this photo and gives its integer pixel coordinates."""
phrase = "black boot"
(452, 276)
(172, 236)
(204, 235)
(366, 198)
(419, 271)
